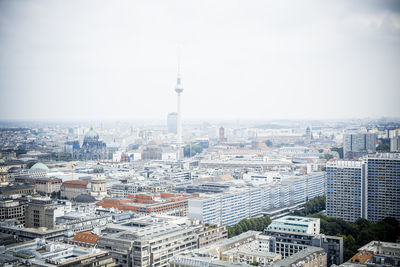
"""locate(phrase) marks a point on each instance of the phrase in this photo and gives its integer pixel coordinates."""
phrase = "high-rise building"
(229, 207)
(221, 138)
(383, 186)
(395, 141)
(172, 122)
(345, 190)
(358, 144)
(395, 144)
(369, 188)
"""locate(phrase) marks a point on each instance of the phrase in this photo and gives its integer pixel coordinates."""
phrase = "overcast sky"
(261, 60)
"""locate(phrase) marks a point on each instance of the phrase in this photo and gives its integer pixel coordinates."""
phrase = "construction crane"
(72, 170)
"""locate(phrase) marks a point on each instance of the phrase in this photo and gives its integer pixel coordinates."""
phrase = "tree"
(339, 150)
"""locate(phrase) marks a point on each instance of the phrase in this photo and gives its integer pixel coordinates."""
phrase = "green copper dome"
(40, 166)
(92, 134)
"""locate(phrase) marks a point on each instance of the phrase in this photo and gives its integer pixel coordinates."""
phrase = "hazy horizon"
(240, 60)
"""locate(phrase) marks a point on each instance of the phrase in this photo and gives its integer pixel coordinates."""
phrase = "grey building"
(288, 243)
(395, 144)
(358, 144)
(40, 213)
(148, 241)
(383, 186)
(345, 190)
(172, 122)
(369, 188)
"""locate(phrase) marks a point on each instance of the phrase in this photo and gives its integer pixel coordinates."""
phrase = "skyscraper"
(358, 144)
(221, 138)
(172, 122)
(345, 187)
(179, 90)
(369, 188)
(383, 180)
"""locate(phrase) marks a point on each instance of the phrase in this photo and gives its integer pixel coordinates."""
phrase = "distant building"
(395, 144)
(92, 148)
(124, 190)
(221, 137)
(358, 144)
(172, 122)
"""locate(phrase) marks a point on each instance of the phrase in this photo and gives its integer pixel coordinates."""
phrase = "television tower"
(179, 90)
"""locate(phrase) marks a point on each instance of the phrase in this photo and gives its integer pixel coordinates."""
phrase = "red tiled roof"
(75, 184)
(86, 237)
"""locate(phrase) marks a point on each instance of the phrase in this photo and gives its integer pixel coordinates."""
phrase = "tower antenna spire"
(179, 60)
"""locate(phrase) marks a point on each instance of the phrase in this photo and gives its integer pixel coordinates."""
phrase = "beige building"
(246, 256)
(98, 184)
(148, 241)
(212, 235)
(3, 175)
(239, 250)
(72, 189)
(12, 209)
(40, 213)
(48, 185)
(309, 257)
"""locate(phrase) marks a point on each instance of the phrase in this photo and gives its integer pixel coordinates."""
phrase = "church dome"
(98, 169)
(40, 166)
(92, 134)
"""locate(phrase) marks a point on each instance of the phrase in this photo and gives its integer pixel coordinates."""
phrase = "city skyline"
(240, 61)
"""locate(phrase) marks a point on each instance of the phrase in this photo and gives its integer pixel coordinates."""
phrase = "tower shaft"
(179, 122)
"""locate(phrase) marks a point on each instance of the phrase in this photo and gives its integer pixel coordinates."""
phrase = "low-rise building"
(148, 241)
(309, 257)
(42, 253)
(288, 243)
(145, 204)
(18, 189)
(296, 224)
(74, 188)
(376, 253)
(85, 239)
(211, 235)
(12, 209)
(47, 185)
